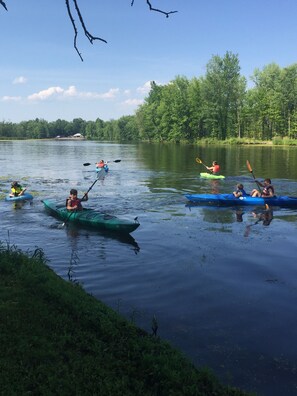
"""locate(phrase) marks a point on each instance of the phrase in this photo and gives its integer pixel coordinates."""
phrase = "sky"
(43, 77)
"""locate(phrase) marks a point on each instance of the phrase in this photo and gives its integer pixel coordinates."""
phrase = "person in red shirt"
(215, 168)
(74, 203)
(100, 164)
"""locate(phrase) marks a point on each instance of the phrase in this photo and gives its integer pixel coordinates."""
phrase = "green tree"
(148, 120)
(289, 100)
(267, 95)
(222, 90)
(180, 110)
(128, 128)
(196, 123)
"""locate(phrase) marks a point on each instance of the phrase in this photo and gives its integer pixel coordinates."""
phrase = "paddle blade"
(249, 166)
(198, 160)
(118, 160)
(87, 164)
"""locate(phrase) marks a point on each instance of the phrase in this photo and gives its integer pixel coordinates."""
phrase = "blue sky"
(43, 77)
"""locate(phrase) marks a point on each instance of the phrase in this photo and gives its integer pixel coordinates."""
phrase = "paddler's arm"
(68, 205)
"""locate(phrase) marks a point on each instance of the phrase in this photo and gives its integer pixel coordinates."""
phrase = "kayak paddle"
(251, 170)
(88, 163)
(198, 160)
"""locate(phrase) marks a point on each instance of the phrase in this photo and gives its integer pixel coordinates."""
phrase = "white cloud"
(46, 94)
(133, 102)
(71, 92)
(110, 94)
(20, 80)
(11, 98)
(145, 88)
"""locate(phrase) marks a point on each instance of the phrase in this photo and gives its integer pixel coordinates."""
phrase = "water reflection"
(215, 186)
(77, 242)
(74, 259)
(239, 215)
(223, 215)
(264, 216)
(75, 233)
(16, 205)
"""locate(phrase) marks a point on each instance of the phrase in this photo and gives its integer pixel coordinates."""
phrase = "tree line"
(218, 106)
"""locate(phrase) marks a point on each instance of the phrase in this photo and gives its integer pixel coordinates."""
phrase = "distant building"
(77, 136)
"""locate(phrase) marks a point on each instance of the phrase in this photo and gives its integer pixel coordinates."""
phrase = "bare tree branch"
(156, 9)
(74, 28)
(3, 4)
(89, 36)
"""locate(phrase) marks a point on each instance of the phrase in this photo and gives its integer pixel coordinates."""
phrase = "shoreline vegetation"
(222, 105)
(201, 142)
(57, 339)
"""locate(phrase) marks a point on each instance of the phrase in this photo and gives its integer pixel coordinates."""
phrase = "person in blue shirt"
(239, 192)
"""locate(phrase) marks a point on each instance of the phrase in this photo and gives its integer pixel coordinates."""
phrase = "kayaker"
(16, 189)
(267, 192)
(215, 168)
(100, 164)
(74, 203)
(239, 192)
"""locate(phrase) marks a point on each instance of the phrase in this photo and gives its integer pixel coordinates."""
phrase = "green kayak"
(90, 218)
(206, 175)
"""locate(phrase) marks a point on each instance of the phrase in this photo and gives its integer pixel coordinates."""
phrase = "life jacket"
(216, 169)
(100, 165)
(265, 192)
(16, 190)
(74, 202)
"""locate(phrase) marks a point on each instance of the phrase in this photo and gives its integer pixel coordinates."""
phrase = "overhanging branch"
(89, 36)
(3, 4)
(156, 9)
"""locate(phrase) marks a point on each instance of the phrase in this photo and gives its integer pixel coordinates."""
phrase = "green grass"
(55, 339)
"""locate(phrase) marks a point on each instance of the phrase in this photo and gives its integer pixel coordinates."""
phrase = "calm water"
(223, 291)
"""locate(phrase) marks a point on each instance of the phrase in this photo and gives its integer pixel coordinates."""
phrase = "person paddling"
(16, 189)
(74, 203)
(100, 164)
(215, 168)
(267, 192)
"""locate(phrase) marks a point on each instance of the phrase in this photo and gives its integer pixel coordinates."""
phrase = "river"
(221, 285)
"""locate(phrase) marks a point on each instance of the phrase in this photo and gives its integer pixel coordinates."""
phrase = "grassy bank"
(249, 142)
(55, 339)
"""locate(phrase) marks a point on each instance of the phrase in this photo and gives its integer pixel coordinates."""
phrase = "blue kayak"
(105, 167)
(23, 197)
(230, 200)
